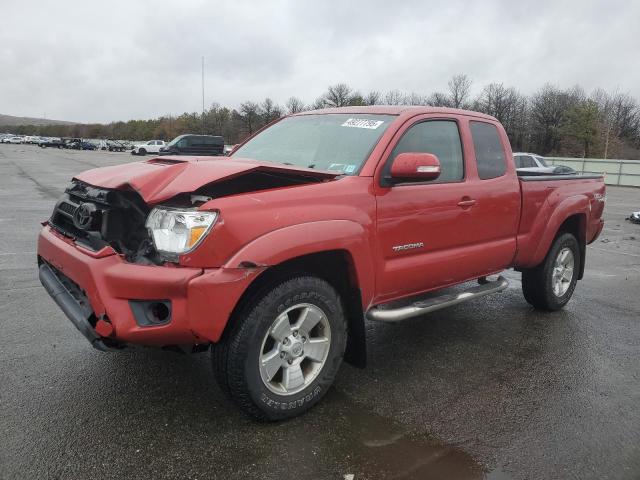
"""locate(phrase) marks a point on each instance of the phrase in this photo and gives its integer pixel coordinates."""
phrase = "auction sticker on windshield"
(362, 123)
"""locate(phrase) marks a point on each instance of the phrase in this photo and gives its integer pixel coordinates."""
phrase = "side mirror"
(415, 166)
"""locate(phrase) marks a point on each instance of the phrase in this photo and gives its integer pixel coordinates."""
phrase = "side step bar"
(421, 307)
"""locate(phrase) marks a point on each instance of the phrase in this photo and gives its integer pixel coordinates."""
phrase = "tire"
(548, 288)
(142, 151)
(239, 358)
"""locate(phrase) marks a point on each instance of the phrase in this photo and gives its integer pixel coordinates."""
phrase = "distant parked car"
(532, 164)
(152, 146)
(53, 142)
(563, 169)
(194, 145)
(117, 146)
(81, 145)
(14, 140)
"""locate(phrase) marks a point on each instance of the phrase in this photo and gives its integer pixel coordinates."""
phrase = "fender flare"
(309, 238)
(574, 205)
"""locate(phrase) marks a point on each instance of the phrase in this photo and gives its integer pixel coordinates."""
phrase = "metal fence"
(617, 172)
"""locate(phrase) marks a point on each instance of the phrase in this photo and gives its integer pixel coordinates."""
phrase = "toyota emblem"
(83, 216)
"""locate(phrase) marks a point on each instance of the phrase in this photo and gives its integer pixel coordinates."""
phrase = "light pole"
(203, 131)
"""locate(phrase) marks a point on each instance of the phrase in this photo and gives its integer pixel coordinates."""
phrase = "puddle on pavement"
(378, 448)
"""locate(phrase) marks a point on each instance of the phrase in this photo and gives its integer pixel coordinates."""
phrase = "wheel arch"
(337, 267)
(576, 225)
(570, 216)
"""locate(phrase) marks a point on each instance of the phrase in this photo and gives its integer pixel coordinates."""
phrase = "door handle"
(466, 202)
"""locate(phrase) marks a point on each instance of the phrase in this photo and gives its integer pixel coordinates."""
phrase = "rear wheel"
(284, 349)
(550, 285)
(142, 151)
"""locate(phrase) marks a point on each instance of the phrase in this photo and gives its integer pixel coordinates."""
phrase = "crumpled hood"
(160, 179)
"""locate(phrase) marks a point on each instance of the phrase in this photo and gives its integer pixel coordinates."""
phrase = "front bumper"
(201, 299)
(74, 304)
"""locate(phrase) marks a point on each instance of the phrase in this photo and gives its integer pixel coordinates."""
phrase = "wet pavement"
(490, 389)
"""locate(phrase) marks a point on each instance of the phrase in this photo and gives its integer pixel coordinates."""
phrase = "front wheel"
(550, 285)
(284, 350)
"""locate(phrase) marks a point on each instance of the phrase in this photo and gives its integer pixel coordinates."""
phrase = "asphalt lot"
(488, 389)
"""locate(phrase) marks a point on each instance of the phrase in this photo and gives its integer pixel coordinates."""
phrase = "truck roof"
(405, 110)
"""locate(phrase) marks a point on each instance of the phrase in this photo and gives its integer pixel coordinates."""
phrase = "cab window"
(440, 137)
(490, 155)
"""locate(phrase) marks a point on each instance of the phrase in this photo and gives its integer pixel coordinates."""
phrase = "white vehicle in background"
(152, 146)
(15, 140)
(531, 163)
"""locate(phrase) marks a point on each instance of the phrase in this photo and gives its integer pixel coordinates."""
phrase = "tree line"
(551, 121)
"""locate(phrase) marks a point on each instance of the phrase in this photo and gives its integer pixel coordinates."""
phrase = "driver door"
(425, 229)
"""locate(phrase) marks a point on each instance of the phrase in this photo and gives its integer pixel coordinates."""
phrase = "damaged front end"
(97, 217)
(150, 225)
(150, 214)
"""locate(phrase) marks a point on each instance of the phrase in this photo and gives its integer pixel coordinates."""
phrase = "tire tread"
(228, 355)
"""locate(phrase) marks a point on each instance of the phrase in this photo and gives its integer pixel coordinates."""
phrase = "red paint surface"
(469, 229)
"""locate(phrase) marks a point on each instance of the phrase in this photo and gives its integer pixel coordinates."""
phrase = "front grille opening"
(67, 208)
(117, 220)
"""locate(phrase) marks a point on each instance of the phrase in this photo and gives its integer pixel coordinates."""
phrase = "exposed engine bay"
(97, 217)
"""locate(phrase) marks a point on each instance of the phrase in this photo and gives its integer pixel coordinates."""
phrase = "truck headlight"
(179, 231)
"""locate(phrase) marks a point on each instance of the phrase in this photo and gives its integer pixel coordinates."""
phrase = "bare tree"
(250, 113)
(393, 97)
(294, 105)
(498, 100)
(438, 99)
(459, 90)
(373, 98)
(552, 120)
(269, 111)
(549, 107)
(319, 104)
(338, 95)
(414, 99)
(619, 117)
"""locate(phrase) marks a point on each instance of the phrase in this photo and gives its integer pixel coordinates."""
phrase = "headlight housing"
(178, 231)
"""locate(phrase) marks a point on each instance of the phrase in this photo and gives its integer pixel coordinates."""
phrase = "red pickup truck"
(275, 256)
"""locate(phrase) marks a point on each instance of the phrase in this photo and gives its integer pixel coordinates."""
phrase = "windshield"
(336, 142)
(175, 140)
(541, 160)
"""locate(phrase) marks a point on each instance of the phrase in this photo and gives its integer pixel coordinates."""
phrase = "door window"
(440, 137)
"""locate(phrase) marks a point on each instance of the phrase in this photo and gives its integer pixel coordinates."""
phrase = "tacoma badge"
(408, 246)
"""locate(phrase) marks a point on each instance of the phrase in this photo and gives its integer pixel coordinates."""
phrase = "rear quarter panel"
(546, 204)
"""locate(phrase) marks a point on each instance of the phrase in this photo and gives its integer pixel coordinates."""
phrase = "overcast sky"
(100, 61)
